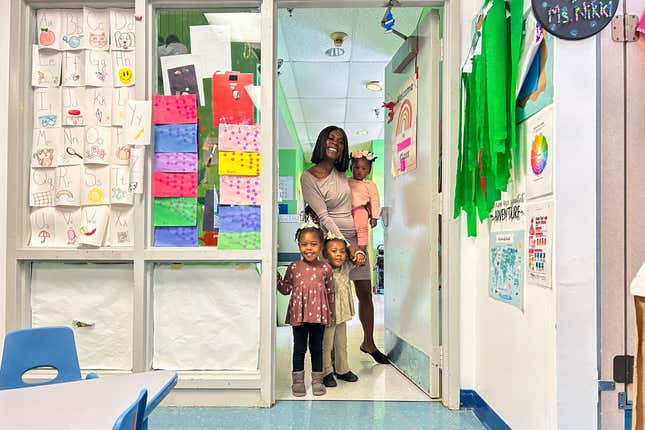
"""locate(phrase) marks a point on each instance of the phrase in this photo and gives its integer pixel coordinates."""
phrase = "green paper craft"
(175, 212)
(246, 240)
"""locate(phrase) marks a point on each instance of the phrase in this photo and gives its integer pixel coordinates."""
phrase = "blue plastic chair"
(32, 348)
(132, 418)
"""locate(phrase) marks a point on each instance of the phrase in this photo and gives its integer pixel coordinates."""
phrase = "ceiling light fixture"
(361, 132)
(338, 37)
(374, 85)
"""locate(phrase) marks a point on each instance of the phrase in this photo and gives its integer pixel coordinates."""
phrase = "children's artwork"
(231, 102)
(49, 25)
(120, 185)
(540, 249)
(42, 187)
(73, 63)
(67, 223)
(536, 91)
(96, 23)
(45, 67)
(213, 44)
(234, 240)
(174, 109)
(97, 145)
(68, 186)
(70, 150)
(42, 222)
(74, 108)
(239, 190)
(47, 107)
(123, 68)
(137, 164)
(403, 140)
(44, 147)
(98, 106)
(174, 184)
(120, 97)
(175, 236)
(95, 185)
(241, 138)
(181, 75)
(506, 267)
(122, 29)
(237, 219)
(175, 212)
(121, 226)
(72, 20)
(136, 125)
(539, 154)
(120, 150)
(177, 162)
(239, 163)
(94, 222)
(98, 68)
(176, 138)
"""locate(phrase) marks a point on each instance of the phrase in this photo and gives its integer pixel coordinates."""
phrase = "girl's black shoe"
(329, 381)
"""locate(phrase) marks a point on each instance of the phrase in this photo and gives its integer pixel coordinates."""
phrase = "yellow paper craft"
(239, 163)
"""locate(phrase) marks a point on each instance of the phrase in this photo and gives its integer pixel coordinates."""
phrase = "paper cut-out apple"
(46, 37)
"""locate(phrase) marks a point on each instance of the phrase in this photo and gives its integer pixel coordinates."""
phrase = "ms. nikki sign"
(574, 19)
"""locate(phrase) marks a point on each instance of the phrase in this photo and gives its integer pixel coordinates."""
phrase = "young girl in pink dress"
(364, 196)
(311, 307)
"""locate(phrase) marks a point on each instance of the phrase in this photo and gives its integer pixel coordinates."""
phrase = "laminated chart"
(174, 177)
(80, 180)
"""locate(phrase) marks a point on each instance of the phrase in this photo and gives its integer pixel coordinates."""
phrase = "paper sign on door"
(46, 67)
(44, 147)
(231, 102)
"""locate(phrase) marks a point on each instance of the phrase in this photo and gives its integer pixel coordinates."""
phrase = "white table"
(92, 404)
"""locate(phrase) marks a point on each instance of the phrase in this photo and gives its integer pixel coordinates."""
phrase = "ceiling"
(323, 90)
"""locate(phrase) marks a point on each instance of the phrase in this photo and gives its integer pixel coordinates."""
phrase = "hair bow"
(369, 156)
(308, 224)
(332, 236)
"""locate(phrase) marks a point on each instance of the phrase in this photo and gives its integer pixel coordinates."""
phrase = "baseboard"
(471, 400)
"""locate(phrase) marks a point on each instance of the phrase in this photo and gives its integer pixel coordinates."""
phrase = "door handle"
(385, 215)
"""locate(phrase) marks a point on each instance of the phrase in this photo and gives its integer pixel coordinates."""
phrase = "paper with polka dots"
(238, 137)
(175, 162)
(176, 138)
(174, 109)
(175, 211)
(237, 219)
(175, 236)
(238, 240)
(174, 184)
(239, 163)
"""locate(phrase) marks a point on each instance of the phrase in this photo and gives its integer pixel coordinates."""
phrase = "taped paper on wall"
(136, 125)
(175, 212)
(70, 151)
(94, 222)
(237, 137)
(73, 34)
(96, 25)
(123, 68)
(99, 106)
(239, 240)
(97, 145)
(73, 63)
(42, 226)
(45, 67)
(74, 111)
(175, 236)
(237, 219)
(506, 267)
(67, 225)
(213, 44)
(245, 27)
(49, 24)
(231, 102)
(137, 164)
(120, 150)
(47, 107)
(121, 224)
(68, 186)
(239, 190)
(98, 68)
(175, 162)
(42, 187)
(176, 138)
(174, 109)
(122, 29)
(539, 154)
(95, 187)
(181, 74)
(239, 163)
(174, 184)
(540, 249)
(120, 185)
(120, 97)
(44, 147)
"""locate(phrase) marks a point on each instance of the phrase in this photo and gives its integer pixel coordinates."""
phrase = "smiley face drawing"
(125, 75)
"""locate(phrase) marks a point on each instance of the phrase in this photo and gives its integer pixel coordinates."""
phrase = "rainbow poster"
(539, 154)
(404, 129)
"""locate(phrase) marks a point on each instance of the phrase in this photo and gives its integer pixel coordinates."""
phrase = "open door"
(411, 217)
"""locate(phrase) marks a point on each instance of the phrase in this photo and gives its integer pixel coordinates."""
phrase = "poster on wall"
(509, 212)
(536, 91)
(404, 131)
(506, 267)
(539, 154)
(540, 244)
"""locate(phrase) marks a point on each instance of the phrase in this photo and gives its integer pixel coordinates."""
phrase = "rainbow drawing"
(404, 120)
(539, 154)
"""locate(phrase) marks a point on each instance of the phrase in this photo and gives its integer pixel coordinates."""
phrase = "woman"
(326, 190)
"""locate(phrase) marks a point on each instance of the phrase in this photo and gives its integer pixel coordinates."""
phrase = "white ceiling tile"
(331, 111)
(363, 110)
(360, 74)
(373, 131)
(321, 79)
(295, 110)
(288, 80)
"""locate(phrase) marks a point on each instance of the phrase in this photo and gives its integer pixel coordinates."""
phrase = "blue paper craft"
(239, 219)
(176, 138)
(175, 236)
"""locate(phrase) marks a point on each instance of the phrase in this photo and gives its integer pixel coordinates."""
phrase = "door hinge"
(623, 403)
(437, 203)
(606, 385)
(623, 28)
(436, 358)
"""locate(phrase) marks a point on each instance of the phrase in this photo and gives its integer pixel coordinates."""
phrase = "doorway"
(323, 86)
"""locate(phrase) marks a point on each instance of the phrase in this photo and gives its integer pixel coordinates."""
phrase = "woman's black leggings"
(314, 332)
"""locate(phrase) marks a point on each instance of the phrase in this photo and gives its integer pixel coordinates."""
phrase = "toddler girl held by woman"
(335, 337)
(365, 202)
(311, 307)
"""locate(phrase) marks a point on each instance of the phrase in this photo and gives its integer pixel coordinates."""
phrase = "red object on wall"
(231, 102)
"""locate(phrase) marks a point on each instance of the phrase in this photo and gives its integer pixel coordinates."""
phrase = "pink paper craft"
(239, 190)
(174, 109)
(641, 24)
(174, 184)
(238, 137)
(175, 162)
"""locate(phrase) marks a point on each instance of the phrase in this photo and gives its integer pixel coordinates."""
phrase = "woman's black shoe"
(329, 381)
(349, 377)
(378, 356)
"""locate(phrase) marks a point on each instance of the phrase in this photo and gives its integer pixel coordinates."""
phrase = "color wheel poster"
(404, 131)
(506, 267)
(539, 153)
(540, 248)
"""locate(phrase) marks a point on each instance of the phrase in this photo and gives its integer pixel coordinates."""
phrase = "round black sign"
(574, 19)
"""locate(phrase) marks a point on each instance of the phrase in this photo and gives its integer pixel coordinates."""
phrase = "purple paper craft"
(175, 236)
(175, 162)
(237, 219)
(176, 138)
